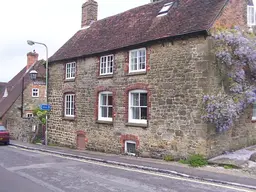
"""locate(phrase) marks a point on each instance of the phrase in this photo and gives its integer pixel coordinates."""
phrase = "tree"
(40, 114)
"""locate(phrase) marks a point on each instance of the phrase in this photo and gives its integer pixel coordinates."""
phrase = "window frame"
(68, 74)
(165, 9)
(70, 107)
(100, 118)
(130, 112)
(27, 115)
(125, 146)
(130, 60)
(249, 23)
(37, 92)
(107, 64)
(253, 112)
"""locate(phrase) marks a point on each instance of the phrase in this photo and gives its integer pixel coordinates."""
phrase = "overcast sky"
(52, 22)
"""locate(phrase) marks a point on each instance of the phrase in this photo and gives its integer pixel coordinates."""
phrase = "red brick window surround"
(105, 104)
(137, 60)
(137, 104)
(129, 138)
(70, 71)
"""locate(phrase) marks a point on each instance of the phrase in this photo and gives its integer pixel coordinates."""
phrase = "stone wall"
(179, 73)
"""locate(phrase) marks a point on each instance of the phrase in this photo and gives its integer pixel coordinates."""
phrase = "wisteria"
(235, 51)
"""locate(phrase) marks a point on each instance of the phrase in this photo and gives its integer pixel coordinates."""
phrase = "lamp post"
(33, 74)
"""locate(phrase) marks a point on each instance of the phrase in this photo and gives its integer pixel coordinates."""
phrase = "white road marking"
(141, 171)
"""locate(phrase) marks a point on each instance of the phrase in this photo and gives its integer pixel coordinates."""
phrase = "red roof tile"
(140, 25)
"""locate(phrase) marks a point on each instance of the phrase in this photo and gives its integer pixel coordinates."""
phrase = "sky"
(51, 22)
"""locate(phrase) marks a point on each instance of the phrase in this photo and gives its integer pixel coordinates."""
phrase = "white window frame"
(125, 147)
(70, 105)
(100, 105)
(107, 64)
(254, 112)
(130, 60)
(35, 90)
(251, 10)
(130, 112)
(70, 70)
(165, 9)
(29, 115)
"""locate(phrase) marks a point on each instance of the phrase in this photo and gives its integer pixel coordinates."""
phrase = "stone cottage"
(133, 82)
(20, 96)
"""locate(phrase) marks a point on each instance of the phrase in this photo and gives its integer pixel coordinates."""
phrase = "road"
(25, 171)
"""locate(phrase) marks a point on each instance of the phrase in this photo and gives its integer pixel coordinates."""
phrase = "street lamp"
(33, 75)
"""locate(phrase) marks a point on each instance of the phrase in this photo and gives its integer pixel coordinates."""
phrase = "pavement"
(208, 174)
(25, 170)
(241, 158)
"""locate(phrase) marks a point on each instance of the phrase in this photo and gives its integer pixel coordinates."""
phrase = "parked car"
(4, 135)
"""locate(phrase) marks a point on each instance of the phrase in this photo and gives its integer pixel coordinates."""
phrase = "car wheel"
(7, 143)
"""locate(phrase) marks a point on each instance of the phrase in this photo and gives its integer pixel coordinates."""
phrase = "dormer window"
(165, 9)
(251, 15)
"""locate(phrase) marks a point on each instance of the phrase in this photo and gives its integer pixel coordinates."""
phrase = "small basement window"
(165, 9)
(130, 147)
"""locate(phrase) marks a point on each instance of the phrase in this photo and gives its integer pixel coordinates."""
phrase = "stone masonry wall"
(177, 77)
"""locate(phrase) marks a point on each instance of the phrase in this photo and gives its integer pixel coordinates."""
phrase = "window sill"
(137, 125)
(104, 122)
(68, 118)
(105, 76)
(137, 73)
(69, 80)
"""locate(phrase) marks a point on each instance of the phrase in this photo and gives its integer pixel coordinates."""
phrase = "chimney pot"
(89, 13)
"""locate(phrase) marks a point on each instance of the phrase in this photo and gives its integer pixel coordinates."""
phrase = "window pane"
(143, 99)
(254, 112)
(103, 99)
(135, 99)
(143, 113)
(135, 112)
(110, 98)
(130, 147)
(104, 112)
(110, 112)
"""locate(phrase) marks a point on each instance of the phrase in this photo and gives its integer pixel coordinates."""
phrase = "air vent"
(165, 9)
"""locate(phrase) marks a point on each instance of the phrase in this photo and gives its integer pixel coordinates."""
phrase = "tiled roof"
(14, 86)
(140, 25)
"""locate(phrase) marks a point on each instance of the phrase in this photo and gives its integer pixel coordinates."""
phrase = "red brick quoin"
(101, 89)
(124, 138)
(136, 86)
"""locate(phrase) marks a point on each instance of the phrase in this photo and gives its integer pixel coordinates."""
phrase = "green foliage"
(168, 158)
(229, 166)
(183, 161)
(40, 114)
(195, 161)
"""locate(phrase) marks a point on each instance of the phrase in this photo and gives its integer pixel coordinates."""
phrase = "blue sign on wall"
(45, 107)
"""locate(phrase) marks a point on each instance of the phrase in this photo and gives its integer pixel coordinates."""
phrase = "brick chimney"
(89, 13)
(32, 57)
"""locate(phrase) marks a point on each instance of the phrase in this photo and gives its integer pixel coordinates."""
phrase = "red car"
(4, 135)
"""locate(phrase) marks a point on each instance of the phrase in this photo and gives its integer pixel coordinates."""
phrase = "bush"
(194, 161)
(197, 161)
(168, 158)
